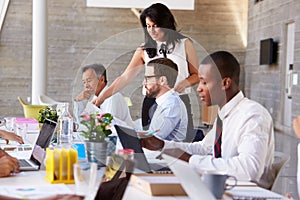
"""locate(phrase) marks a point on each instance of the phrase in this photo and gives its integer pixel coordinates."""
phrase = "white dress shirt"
(170, 117)
(115, 105)
(178, 56)
(247, 143)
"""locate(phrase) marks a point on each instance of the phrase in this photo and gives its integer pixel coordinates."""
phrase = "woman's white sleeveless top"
(178, 56)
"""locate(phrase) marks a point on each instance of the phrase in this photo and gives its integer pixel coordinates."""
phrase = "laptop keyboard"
(23, 163)
(160, 169)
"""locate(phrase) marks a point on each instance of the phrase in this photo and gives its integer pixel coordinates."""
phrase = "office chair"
(46, 100)
(31, 111)
(280, 160)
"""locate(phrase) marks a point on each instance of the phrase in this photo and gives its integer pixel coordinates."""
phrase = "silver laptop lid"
(43, 141)
(189, 179)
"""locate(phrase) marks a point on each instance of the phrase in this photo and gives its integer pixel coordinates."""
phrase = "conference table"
(33, 185)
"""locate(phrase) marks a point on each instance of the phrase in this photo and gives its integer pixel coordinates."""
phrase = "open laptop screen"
(43, 141)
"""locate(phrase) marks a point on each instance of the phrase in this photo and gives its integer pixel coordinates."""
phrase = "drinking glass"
(21, 130)
(10, 123)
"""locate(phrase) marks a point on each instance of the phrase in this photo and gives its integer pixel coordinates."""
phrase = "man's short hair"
(226, 63)
(165, 67)
(98, 68)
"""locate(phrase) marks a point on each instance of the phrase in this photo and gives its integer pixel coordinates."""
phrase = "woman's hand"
(98, 101)
(11, 136)
(180, 87)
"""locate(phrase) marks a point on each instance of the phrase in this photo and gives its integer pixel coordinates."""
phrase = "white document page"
(253, 193)
(34, 191)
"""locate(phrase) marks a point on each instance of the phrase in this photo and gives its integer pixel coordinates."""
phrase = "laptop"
(121, 170)
(129, 140)
(189, 179)
(38, 153)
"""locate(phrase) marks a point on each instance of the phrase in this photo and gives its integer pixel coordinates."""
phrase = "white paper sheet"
(34, 191)
(252, 193)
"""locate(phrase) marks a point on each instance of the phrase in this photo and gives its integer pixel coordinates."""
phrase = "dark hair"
(226, 63)
(165, 67)
(99, 70)
(163, 18)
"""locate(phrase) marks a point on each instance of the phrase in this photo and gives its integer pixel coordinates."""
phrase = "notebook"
(189, 179)
(38, 153)
(129, 140)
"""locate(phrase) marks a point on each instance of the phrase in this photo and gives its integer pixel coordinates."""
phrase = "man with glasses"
(241, 141)
(169, 120)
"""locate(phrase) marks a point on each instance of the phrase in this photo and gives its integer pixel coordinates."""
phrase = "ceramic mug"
(216, 183)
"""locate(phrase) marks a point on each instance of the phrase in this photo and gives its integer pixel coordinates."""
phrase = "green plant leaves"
(47, 113)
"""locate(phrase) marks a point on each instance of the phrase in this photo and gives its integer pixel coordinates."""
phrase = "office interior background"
(79, 35)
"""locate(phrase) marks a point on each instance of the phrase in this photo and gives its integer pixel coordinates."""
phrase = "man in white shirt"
(169, 120)
(247, 137)
(95, 81)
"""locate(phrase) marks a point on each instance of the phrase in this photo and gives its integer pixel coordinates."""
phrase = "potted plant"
(47, 113)
(97, 129)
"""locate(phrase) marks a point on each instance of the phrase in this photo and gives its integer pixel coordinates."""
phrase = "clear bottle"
(65, 126)
(126, 153)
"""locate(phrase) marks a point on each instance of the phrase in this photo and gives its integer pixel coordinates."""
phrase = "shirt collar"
(229, 106)
(163, 97)
(105, 88)
(160, 43)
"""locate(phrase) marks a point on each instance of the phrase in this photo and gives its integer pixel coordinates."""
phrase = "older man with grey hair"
(95, 81)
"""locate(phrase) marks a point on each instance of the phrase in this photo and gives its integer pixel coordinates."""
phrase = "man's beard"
(152, 94)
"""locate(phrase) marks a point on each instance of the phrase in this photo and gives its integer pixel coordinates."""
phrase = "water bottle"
(65, 126)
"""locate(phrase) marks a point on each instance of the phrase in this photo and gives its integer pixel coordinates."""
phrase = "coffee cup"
(216, 182)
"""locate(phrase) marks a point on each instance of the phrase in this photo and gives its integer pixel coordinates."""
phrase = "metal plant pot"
(97, 152)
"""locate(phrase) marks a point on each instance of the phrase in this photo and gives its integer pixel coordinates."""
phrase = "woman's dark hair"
(163, 18)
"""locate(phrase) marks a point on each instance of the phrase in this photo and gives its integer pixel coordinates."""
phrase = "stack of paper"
(253, 193)
(32, 124)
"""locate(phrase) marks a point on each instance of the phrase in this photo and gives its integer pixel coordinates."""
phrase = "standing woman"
(161, 40)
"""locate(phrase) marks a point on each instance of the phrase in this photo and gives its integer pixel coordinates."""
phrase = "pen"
(152, 133)
(149, 133)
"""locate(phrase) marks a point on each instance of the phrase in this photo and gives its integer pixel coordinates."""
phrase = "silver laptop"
(128, 138)
(189, 179)
(38, 153)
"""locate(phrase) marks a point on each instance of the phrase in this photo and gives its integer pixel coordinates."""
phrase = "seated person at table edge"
(8, 164)
(95, 81)
(10, 136)
(170, 117)
(244, 145)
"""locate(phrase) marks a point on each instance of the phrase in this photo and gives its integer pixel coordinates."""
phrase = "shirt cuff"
(168, 145)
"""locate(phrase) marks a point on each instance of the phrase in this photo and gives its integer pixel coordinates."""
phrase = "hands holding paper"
(151, 142)
(155, 144)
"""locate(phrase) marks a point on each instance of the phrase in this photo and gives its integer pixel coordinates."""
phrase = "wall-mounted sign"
(172, 4)
(3, 9)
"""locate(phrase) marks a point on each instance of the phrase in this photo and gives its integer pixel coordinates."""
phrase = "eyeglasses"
(147, 78)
